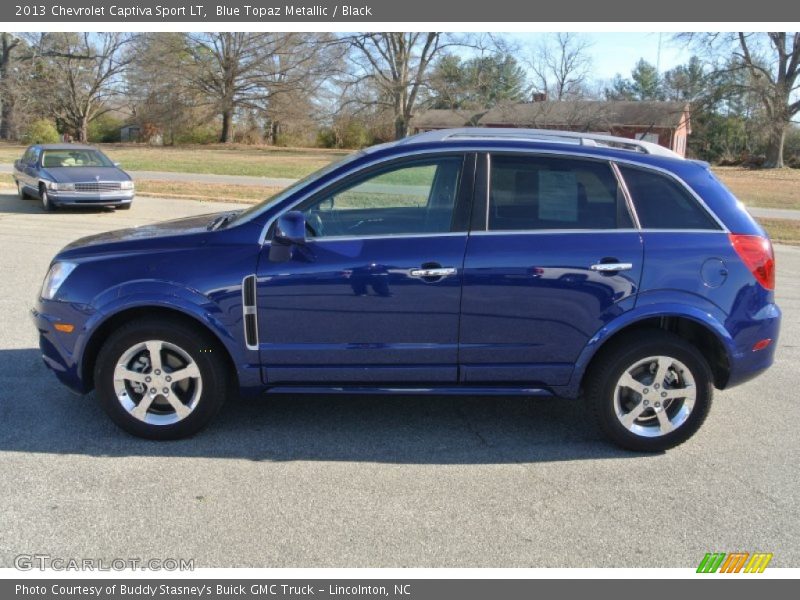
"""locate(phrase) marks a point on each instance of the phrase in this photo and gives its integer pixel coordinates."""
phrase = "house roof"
(445, 118)
(587, 114)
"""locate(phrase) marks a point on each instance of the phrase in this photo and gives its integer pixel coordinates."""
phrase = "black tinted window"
(662, 203)
(537, 192)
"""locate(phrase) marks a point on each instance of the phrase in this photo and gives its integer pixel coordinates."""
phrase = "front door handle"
(425, 273)
(611, 267)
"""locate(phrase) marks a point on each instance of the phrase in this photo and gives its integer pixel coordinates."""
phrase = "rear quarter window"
(662, 203)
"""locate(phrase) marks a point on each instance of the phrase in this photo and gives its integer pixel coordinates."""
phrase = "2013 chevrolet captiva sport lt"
(474, 261)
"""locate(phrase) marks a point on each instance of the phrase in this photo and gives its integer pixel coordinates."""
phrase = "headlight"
(64, 187)
(57, 275)
(126, 185)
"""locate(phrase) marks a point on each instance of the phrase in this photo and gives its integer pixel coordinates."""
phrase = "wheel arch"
(100, 333)
(703, 335)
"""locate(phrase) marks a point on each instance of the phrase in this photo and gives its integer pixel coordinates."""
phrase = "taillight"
(756, 253)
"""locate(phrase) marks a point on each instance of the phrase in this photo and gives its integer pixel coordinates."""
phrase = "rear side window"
(542, 192)
(662, 203)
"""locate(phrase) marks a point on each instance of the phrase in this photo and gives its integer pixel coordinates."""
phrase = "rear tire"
(160, 379)
(124, 206)
(649, 391)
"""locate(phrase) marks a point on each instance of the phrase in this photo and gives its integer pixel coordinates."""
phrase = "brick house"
(666, 123)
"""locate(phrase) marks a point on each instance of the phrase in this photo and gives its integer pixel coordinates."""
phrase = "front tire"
(23, 195)
(47, 204)
(649, 391)
(159, 379)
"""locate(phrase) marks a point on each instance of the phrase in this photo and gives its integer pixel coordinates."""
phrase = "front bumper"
(63, 352)
(115, 198)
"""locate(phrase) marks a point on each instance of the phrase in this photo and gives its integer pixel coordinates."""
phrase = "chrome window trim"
(588, 231)
(627, 195)
(488, 190)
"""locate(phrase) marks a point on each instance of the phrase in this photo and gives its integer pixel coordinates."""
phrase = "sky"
(614, 53)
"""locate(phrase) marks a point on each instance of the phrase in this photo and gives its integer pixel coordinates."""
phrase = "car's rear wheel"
(47, 203)
(650, 391)
(160, 380)
(124, 206)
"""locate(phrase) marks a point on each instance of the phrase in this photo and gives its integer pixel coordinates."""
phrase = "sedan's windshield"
(75, 158)
(286, 192)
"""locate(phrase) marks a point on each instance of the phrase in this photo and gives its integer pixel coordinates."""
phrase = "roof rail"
(550, 136)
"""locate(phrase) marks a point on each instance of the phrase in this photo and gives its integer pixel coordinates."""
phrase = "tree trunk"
(7, 120)
(226, 137)
(400, 127)
(775, 147)
(83, 131)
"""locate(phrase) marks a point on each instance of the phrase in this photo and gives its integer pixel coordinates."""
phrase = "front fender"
(191, 303)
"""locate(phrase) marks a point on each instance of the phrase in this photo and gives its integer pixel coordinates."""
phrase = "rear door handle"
(611, 267)
(433, 272)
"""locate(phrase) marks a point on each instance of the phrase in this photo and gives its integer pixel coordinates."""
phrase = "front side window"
(542, 192)
(662, 203)
(411, 198)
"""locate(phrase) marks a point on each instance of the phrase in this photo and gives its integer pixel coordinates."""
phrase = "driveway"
(378, 481)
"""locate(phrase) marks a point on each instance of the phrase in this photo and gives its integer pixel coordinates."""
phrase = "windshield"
(75, 158)
(286, 192)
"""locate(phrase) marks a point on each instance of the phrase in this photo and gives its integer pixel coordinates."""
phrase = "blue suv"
(470, 261)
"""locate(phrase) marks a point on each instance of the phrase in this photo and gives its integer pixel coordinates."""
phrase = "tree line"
(351, 90)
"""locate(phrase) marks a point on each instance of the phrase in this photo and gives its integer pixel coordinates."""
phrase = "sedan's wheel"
(651, 391)
(23, 195)
(47, 204)
(159, 379)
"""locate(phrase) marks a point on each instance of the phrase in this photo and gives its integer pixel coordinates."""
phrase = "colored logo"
(735, 562)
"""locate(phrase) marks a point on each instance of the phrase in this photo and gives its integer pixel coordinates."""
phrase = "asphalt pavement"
(378, 481)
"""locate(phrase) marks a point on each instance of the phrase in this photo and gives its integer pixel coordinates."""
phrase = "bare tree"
(772, 63)
(561, 65)
(397, 65)
(239, 70)
(83, 74)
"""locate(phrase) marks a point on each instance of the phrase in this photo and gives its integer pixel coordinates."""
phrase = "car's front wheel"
(23, 195)
(47, 203)
(650, 391)
(160, 379)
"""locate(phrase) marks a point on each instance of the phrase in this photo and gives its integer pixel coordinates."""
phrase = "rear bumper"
(745, 363)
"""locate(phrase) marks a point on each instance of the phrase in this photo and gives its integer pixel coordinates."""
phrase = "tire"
(124, 206)
(47, 204)
(632, 407)
(125, 375)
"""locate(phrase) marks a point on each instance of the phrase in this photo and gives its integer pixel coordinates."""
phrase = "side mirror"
(117, 164)
(290, 231)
